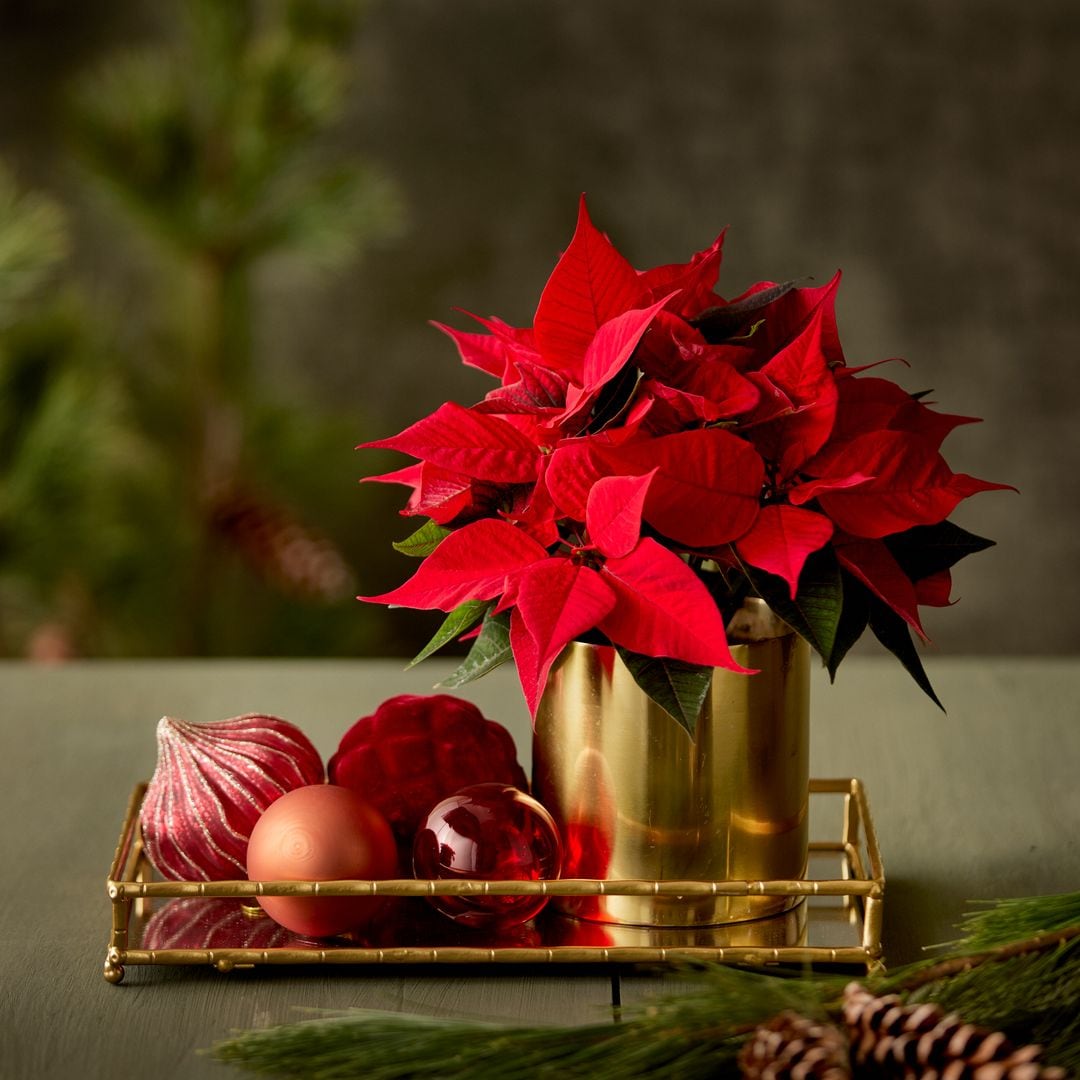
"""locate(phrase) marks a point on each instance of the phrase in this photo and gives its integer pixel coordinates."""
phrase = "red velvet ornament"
(492, 832)
(414, 749)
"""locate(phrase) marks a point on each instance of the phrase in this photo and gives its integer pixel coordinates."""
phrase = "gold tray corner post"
(129, 866)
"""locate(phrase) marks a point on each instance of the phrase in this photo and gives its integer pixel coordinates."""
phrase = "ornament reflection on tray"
(225, 923)
(195, 922)
(189, 923)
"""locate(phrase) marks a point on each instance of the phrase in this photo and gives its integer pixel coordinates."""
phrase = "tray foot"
(113, 972)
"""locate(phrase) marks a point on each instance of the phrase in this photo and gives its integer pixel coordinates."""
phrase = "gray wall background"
(930, 149)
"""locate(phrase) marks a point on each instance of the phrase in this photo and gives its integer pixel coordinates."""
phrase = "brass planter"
(636, 798)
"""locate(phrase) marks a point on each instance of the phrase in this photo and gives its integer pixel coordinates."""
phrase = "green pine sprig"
(33, 241)
(217, 143)
(689, 1036)
(1017, 968)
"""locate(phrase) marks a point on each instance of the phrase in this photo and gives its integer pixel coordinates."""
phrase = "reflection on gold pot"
(788, 929)
(637, 798)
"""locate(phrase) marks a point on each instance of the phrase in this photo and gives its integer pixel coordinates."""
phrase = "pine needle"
(1017, 968)
(1005, 921)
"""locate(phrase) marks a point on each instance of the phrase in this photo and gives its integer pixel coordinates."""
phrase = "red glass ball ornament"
(488, 832)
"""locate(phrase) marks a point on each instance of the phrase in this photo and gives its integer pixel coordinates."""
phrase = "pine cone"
(795, 1046)
(895, 1039)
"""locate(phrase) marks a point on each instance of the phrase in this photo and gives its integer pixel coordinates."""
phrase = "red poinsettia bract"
(653, 453)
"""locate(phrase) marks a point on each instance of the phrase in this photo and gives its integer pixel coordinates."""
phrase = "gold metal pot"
(637, 798)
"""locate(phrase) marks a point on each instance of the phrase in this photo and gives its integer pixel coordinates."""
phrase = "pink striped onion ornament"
(212, 783)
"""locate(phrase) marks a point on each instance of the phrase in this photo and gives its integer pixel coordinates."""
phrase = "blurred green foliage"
(157, 496)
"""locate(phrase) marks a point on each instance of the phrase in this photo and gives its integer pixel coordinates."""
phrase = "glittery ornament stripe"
(209, 818)
(212, 783)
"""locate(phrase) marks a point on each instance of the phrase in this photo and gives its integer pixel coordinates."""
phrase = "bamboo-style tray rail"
(861, 888)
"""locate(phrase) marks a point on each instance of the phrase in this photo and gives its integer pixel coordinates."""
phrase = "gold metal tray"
(836, 920)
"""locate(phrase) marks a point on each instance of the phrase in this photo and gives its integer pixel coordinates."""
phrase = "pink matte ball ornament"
(321, 833)
(488, 832)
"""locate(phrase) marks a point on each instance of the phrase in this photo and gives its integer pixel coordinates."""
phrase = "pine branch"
(960, 965)
(1004, 921)
(693, 1035)
(1030, 990)
(1000, 974)
(215, 144)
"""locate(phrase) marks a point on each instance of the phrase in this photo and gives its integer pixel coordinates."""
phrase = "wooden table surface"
(980, 803)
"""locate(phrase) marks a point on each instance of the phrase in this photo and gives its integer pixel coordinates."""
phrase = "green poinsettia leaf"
(893, 633)
(422, 542)
(929, 549)
(677, 687)
(854, 615)
(456, 623)
(490, 649)
(815, 612)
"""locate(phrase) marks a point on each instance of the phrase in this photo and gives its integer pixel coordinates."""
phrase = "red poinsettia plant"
(652, 455)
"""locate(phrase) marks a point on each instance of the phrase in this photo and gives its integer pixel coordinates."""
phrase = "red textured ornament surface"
(211, 783)
(488, 832)
(416, 749)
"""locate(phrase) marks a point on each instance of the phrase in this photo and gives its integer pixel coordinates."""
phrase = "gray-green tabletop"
(980, 803)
